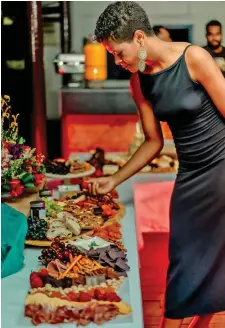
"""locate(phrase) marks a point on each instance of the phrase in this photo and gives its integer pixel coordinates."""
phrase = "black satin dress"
(196, 274)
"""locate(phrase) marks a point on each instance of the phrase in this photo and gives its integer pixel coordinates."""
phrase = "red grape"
(66, 254)
(62, 245)
(60, 257)
(55, 246)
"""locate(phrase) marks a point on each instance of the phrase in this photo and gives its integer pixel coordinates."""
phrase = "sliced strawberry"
(112, 297)
(73, 296)
(91, 292)
(84, 297)
(99, 296)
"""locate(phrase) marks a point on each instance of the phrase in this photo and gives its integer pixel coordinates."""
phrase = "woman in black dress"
(178, 83)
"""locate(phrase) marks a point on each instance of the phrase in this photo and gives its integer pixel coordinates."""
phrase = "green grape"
(43, 223)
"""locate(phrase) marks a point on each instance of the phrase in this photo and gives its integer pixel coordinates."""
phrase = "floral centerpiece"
(22, 170)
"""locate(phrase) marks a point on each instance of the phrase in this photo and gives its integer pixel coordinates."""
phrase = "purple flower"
(16, 151)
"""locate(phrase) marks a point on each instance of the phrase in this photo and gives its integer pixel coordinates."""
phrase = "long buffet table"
(15, 287)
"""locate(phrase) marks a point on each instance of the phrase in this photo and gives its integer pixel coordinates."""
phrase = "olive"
(67, 282)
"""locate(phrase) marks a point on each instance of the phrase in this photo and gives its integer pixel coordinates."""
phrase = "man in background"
(214, 46)
(162, 33)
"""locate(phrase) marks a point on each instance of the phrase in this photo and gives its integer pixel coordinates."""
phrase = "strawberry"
(112, 297)
(114, 194)
(36, 282)
(43, 272)
(98, 173)
(34, 275)
(91, 292)
(84, 297)
(72, 296)
(84, 185)
(99, 296)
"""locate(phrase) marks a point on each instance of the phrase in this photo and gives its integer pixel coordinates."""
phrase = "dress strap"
(186, 48)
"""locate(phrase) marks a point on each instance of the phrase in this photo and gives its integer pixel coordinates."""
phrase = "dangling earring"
(142, 55)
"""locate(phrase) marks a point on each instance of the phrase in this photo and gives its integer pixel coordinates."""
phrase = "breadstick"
(75, 260)
(71, 258)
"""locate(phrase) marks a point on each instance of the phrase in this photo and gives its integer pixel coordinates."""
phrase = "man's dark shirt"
(219, 58)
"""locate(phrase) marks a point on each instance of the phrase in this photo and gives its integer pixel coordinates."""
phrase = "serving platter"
(84, 235)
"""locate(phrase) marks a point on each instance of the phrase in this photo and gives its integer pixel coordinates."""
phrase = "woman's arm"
(153, 143)
(204, 70)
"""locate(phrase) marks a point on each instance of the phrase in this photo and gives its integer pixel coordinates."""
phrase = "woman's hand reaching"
(101, 186)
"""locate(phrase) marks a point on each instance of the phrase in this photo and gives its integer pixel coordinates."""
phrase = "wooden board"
(47, 243)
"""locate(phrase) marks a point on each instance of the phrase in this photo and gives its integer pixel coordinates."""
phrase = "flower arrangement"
(21, 168)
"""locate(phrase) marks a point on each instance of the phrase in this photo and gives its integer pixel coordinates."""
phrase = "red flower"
(38, 179)
(29, 169)
(16, 188)
(40, 158)
(6, 144)
(26, 148)
(28, 163)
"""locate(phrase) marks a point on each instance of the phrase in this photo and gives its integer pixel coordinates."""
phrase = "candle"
(95, 62)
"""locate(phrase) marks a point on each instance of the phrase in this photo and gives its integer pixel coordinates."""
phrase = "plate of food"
(76, 216)
(68, 169)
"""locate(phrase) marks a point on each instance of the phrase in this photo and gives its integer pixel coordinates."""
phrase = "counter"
(97, 118)
(104, 117)
(97, 101)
